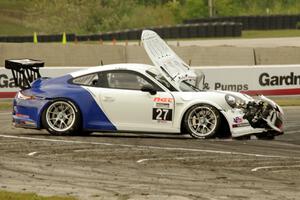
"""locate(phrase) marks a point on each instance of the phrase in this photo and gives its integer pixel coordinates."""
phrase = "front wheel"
(266, 135)
(61, 118)
(202, 121)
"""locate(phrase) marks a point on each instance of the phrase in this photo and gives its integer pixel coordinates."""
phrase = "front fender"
(182, 107)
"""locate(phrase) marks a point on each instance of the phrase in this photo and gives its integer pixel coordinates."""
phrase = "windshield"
(160, 78)
(187, 87)
(192, 85)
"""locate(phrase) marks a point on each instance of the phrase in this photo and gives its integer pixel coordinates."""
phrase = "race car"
(164, 98)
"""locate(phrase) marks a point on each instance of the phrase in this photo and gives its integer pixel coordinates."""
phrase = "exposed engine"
(262, 114)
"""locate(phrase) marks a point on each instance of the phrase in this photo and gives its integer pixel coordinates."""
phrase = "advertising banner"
(268, 80)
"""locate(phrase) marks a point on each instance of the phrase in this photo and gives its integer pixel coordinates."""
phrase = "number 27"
(162, 114)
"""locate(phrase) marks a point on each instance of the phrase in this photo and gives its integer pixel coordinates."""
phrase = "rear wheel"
(202, 121)
(61, 118)
(84, 133)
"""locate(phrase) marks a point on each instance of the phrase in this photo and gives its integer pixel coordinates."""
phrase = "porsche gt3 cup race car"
(164, 98)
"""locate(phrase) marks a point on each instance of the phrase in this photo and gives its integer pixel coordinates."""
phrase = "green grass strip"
(29, 196)
(271, 33)
(287, 101)
(5, 105)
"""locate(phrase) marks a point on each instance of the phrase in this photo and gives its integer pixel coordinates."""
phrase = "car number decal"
(162, 114)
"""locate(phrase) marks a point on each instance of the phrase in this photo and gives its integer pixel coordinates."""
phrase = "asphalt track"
(151, 166)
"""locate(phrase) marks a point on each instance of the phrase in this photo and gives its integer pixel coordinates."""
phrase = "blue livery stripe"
(93, 117)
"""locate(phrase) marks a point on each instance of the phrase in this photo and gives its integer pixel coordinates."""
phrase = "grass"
(271, 33)
(254, 34)
(245, 35)
(5, 105)
(287, 101)
(13, 22)
(13, 4)
(12, 13)
(9, 27)
(29, 196)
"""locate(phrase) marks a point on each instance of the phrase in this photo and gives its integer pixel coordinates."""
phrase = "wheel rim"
(60, 116)
(202, 121)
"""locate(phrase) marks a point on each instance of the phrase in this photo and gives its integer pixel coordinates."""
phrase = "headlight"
(234, 101)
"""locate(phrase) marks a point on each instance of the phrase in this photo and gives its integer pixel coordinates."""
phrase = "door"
(129, 108)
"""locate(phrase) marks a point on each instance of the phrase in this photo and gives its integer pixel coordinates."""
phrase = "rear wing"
(24, 71)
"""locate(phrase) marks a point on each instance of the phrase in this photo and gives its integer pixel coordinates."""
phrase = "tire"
(245, 137)
(84, 133)
(265, 136)
(61, 117)
(202, 121)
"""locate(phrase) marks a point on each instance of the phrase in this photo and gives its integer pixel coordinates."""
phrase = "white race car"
(164, 98)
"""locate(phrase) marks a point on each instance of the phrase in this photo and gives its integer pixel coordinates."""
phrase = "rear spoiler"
(24, 71)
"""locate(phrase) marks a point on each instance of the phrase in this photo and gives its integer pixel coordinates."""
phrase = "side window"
(126, 80)
(89, 80)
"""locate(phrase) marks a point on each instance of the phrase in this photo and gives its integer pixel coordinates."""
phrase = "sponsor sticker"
(162, 105)
(163, 100)
(240, 125)
(238, 120)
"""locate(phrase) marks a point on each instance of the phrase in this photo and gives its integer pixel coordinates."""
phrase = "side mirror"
(149, 88)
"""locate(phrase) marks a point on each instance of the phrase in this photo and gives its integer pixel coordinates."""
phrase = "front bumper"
(257, 117)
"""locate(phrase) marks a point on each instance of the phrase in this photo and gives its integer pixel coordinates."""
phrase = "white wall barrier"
(261, 79)
(270, 80)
